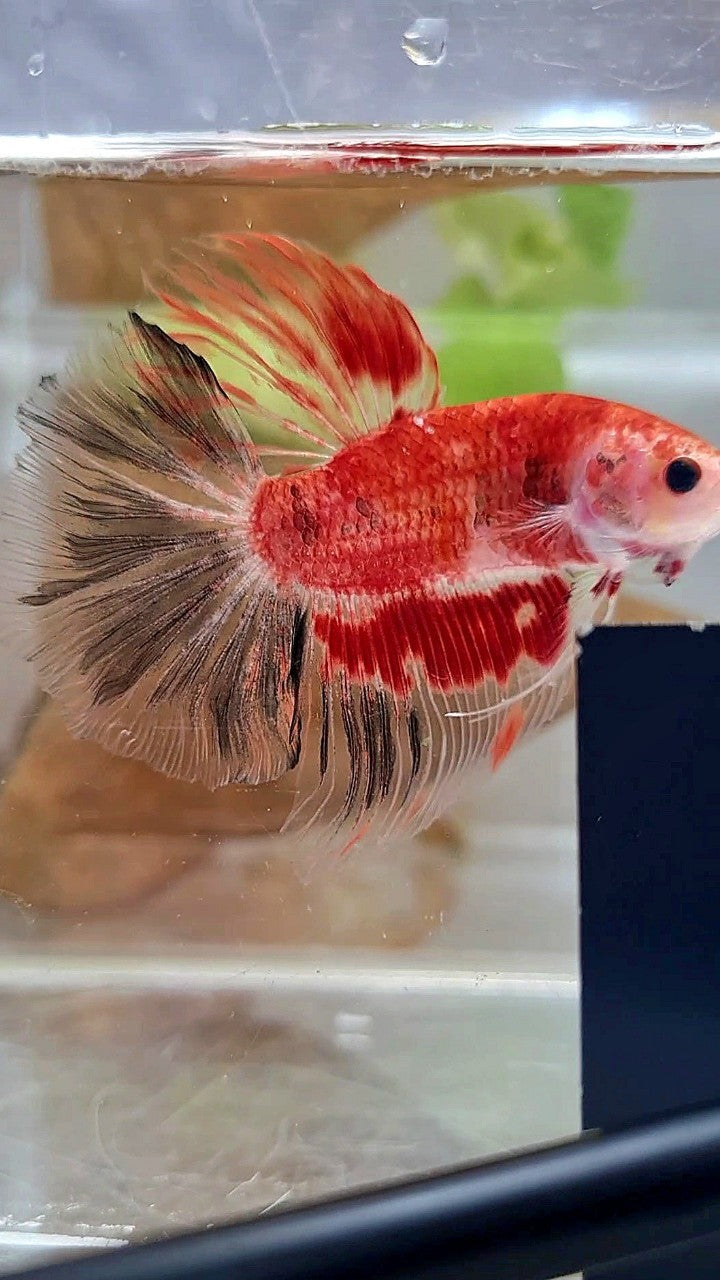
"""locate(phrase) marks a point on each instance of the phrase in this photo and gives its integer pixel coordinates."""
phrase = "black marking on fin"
(227, 688)
(180, 675)
(415, 738)
(388, 754)
(161, 410)
(186, 368)
(50, 591)
(371, 735)
(325, 731)
(294, 679)
(352, 735)
(379, 744)
(145, 624)
(120, 504)
(103, 557)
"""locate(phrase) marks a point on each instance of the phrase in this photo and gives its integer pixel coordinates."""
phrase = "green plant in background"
(522, 266)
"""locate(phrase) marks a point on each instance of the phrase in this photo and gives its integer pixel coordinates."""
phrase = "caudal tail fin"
(142, 604)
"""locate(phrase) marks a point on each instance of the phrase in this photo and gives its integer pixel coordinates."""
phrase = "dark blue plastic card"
(649, 787)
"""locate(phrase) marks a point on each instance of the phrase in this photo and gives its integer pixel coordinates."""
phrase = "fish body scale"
(393, 509)
(384, 514)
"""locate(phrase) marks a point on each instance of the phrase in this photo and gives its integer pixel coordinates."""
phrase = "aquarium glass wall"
(192, 1027)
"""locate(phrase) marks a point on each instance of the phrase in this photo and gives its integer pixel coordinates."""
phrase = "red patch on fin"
(508, 734)
(460, 640)
(608, 585)
(371, 333)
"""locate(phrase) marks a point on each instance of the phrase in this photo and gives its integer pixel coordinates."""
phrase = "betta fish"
(254, 543)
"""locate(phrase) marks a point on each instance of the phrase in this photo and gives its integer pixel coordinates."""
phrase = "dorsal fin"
(305, 348)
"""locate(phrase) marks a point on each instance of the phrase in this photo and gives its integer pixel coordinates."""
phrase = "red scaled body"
(417, 499)
(421, 500)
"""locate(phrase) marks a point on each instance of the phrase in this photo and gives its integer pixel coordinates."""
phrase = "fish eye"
(682, 475)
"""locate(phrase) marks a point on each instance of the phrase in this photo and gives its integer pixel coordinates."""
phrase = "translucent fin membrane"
(149, 618)
(315, 354)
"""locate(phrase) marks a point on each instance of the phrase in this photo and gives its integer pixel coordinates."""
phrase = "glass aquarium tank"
(191, 1029)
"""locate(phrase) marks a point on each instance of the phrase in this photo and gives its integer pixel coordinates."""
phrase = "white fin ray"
(304, 347)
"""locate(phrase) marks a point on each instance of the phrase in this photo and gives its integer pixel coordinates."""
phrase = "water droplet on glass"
(425, 41)
(36, 64)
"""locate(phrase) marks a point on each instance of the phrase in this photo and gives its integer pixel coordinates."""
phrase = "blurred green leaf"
(486, 356)
(465, 294)
(600, 218)
(476, 371)
(524, 255)
(522, 264)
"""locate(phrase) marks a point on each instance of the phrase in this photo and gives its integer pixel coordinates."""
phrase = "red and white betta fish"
(375, 611)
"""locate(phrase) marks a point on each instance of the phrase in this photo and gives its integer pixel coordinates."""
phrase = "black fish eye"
(682, 475)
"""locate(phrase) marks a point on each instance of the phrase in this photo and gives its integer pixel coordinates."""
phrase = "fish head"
(647, 488)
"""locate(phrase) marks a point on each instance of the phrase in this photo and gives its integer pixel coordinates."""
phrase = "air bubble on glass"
(425, 41)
